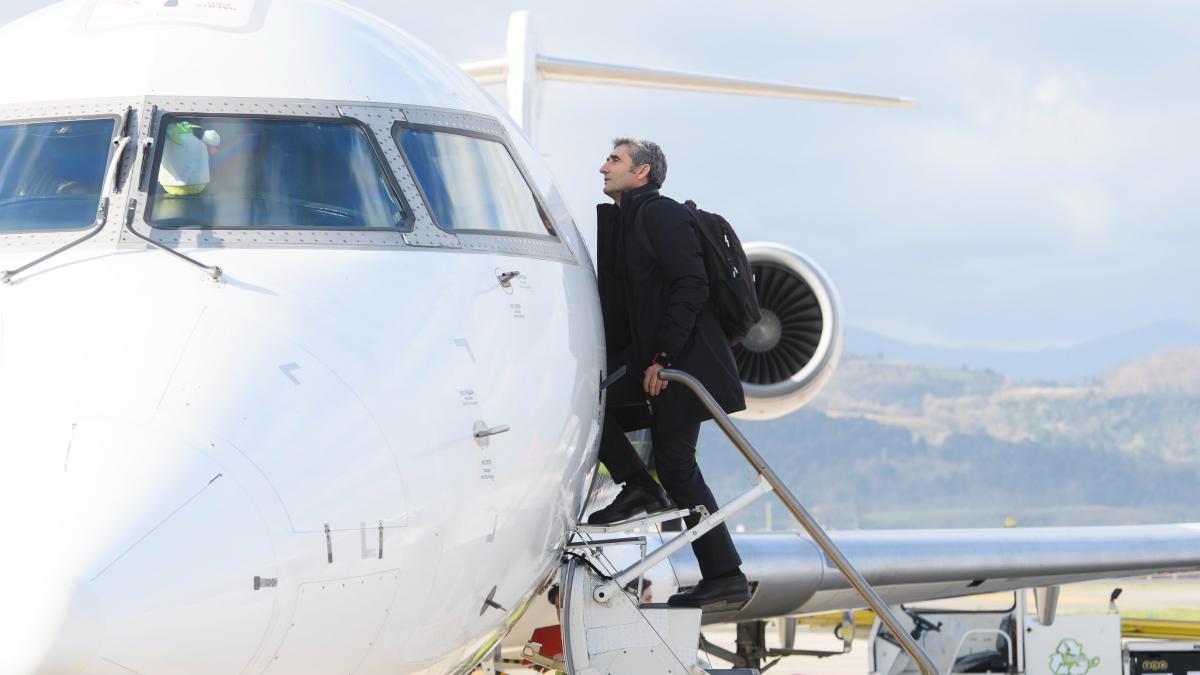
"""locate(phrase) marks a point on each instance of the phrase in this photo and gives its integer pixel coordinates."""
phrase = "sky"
(1041, 194)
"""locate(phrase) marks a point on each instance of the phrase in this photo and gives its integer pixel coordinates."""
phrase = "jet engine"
(791, 353)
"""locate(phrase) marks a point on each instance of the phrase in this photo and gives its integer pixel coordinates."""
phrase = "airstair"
(606, 631)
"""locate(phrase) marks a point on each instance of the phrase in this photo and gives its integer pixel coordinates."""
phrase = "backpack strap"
(640, 229)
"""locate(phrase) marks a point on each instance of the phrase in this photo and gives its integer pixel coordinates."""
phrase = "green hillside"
(1150, 407)
(894, 444)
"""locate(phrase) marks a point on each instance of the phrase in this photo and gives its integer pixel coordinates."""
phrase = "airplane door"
(513, 345)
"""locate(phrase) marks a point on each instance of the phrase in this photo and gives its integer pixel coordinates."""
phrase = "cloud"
(1048, 91)
(1087, 211)
(1041, 158)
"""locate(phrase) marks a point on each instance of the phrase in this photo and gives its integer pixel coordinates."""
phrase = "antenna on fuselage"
(524, 70)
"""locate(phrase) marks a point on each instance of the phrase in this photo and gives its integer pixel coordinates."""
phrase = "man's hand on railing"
(814, 529)
(651, 383)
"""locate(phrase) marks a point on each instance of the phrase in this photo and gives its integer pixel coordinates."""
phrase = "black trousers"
(675, 459)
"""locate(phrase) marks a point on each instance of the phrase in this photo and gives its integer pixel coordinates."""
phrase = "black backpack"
(730, 279)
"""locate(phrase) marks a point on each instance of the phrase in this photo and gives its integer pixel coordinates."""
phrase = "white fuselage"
(278, 471)
(325, 388)
(355, 451)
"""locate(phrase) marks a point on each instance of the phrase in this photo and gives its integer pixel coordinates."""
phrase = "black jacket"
(654, 296)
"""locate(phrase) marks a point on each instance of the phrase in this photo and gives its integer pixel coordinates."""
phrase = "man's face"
(620, 174)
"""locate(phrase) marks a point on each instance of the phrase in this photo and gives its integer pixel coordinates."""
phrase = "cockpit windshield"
(472, 183)
(262, 173)
(52, 173)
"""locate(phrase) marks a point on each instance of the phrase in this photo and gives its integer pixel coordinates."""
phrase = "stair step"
(655, 605)
(637, 521)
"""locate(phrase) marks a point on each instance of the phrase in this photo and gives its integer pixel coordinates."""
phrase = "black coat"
(654, 296)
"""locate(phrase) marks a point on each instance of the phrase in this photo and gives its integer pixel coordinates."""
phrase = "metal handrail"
(683, 539)
(809, 524)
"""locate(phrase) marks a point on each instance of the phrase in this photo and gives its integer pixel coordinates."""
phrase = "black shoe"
(633, 500)
(710, 592)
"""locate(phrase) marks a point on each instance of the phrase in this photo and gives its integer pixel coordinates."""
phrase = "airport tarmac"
(724, 635)
(853, 662)
(1148, 598)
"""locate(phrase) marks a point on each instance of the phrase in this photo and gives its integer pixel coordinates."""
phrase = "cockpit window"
(471, 183)
(52, 173)
(259, 173)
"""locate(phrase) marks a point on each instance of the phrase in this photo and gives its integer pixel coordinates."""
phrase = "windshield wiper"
(212, 271)
(110, 179)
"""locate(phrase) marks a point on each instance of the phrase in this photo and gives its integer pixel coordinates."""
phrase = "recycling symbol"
(1069, 658)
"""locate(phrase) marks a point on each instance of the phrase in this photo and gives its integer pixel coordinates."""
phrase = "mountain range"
(893, 443)
(1056, 364)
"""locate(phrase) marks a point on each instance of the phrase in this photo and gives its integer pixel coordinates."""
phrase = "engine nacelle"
(791, 353)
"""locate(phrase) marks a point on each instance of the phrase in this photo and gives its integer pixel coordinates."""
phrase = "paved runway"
(1176, 599)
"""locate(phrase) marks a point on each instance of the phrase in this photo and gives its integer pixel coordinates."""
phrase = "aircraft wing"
(569, 70)
(524, 69)
(792, 576)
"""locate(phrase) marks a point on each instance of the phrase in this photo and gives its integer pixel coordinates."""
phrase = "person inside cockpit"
(184, 169)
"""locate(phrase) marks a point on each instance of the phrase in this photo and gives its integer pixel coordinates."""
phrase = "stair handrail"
(810, 525)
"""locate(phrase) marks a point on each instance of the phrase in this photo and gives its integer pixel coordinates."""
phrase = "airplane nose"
(57, 626)
(135, 548)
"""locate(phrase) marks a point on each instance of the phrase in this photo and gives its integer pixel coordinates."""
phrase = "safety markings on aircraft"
(287, 369)
(516, 310)
(468, 397)
(462, 342)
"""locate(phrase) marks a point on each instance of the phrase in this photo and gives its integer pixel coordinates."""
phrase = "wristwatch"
(662, 359)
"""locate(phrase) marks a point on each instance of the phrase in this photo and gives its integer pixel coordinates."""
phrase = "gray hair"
(642, 152)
